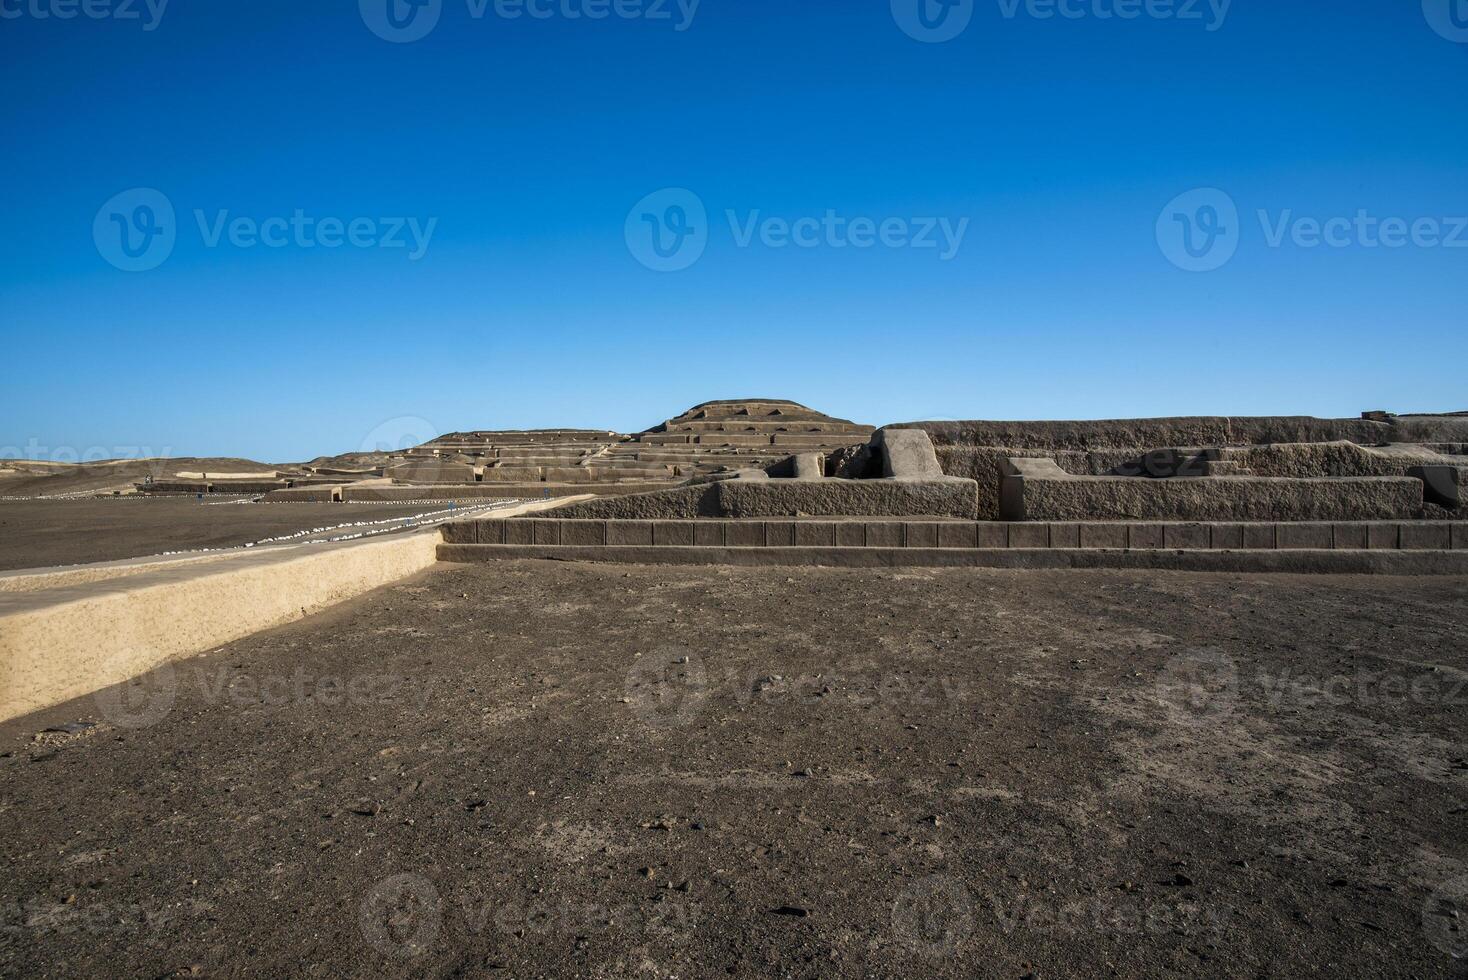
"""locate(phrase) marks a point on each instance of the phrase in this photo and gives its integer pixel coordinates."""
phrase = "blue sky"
(531, 152)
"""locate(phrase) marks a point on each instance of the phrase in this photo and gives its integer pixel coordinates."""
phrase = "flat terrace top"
(541, 768)
(40, 533)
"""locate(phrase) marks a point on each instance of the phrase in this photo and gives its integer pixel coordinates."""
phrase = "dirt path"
(547, 769)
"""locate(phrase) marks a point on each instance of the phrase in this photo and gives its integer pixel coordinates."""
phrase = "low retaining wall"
(65, 642)
(66, 632)
(1384, 547)
(1039, 490)
(1133, 536)
(791, 498)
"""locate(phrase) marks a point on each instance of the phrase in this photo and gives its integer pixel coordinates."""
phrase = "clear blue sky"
(529, 141)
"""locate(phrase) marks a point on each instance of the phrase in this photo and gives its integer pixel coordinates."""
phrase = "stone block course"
(1226, 536)
(1187, 536)
(992, 535)
(1383, 536)
(1102, 536)
(744, 534)
(922, 534)
(1303, 536)
(1065, 535)
(815, 534)
(1426, 536)
(672, 533)
(629, 532)
(883, 534)
(780, 534)
(1144, 536)
(1348, 536)
(583, 532)
(1029, 535)
(958, 534)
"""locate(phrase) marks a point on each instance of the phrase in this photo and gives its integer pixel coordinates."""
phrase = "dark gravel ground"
(552, 769)
(40, 533)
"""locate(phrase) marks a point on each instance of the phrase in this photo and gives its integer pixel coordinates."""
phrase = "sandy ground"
(550, 769)
(39, 533)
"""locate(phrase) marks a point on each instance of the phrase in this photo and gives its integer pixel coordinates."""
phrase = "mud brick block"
(672, 533)
(547, 532)
(1103, 535)
(519, 531)
(1065, 535)
(1226, 536)
(744, 534)
(461, 532)
(1460, 535)
(708, 534)
(583, 533)
(884, 534)
(815, 534)
(629, 532)
(1191, 537)
(780, 534)
(491, 532)
(1144, 537)
(1259, 537)
(924, 535)
(851, 534)
(989, 534)
(1350, 536)
(1384, 536)
(1029, 535)
(958, 534)
(1311, 536)
(1426, 536)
